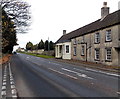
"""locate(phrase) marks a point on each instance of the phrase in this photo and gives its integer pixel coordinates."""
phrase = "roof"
(110, 20)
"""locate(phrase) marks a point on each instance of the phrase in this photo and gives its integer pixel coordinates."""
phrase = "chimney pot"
(104, 4)
(64, 32)
(104, 10)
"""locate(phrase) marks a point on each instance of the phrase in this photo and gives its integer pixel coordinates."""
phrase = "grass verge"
(38, 55)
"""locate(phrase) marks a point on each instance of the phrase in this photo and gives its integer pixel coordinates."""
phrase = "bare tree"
(19, 12)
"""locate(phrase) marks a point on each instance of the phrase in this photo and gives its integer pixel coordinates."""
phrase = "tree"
(19, 13)
(51, 45)
(8, 33)
(41, 44)
(29, 46)
(35, 47)
(46, 45)
(15, 18)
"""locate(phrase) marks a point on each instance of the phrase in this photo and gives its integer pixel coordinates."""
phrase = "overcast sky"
(51, 17)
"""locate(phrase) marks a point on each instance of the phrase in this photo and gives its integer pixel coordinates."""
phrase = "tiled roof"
(110, 20)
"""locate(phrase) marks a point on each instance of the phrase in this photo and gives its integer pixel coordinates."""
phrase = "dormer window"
(108, 35)
(97, 37)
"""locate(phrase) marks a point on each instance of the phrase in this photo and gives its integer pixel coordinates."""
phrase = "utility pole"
(48, 44)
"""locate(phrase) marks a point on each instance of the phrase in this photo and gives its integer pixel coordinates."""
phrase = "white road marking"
(63, 73)
(112, 74)
(14, 96)
(5, 75)
(4, 80)
(55, 64)
(4, 83)
(27, 57)
(13, 88)
(11, 82)
(3, 87)
(77, 73)
(118, 92)
(3, 93)
(11, 79)
(79, 70)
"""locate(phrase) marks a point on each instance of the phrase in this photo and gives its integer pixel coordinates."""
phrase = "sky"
(51, 17)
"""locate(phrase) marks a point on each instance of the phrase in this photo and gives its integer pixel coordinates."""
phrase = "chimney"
(64, 32)
(104, 10)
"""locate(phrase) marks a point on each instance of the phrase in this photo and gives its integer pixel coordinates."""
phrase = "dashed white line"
(3, 93)
(3, 87)
(63, 74)
(4, 83)
(4, 80)
(11, 82)
(118, 92)
(55, 63)
(13, 88)
(112, 74)
(77, 73)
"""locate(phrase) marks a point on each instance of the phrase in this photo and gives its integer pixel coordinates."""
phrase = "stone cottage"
(97, 42)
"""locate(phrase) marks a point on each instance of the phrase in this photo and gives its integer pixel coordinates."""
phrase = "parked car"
(14, 52)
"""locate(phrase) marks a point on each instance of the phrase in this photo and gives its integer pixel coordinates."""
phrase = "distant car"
(14, 53)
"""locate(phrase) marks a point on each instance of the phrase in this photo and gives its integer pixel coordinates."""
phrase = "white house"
(63, 47)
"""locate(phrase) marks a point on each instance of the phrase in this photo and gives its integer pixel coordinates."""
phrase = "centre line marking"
(63, 73)
(77, 73)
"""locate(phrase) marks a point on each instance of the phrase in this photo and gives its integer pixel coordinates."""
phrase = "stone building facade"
(95, 46)
(98, 41)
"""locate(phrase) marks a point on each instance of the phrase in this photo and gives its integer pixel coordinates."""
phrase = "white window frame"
(82, 50)
(75, 51)
(108, 35)
(75, 41)
(83, 39)
(108, 54)
(97, 37)
(97, 53)
(67, 49)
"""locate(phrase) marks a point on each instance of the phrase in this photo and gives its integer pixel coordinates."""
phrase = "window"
(82, 50)
(75, 51)
(67, 48)
(108, 54)
(78, 41)
(97, 54)
(60, 49)
(97, 37)
(83, 38)
(75, 42)
(108, 35)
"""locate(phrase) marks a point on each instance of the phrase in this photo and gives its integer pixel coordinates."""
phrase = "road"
(39, 77)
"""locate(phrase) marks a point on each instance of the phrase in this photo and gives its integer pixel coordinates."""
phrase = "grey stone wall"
(89, 43)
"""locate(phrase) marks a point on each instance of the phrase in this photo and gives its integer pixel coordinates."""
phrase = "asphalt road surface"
(38, 77)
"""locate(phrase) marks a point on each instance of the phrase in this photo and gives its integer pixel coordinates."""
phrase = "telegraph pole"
(48, 44)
